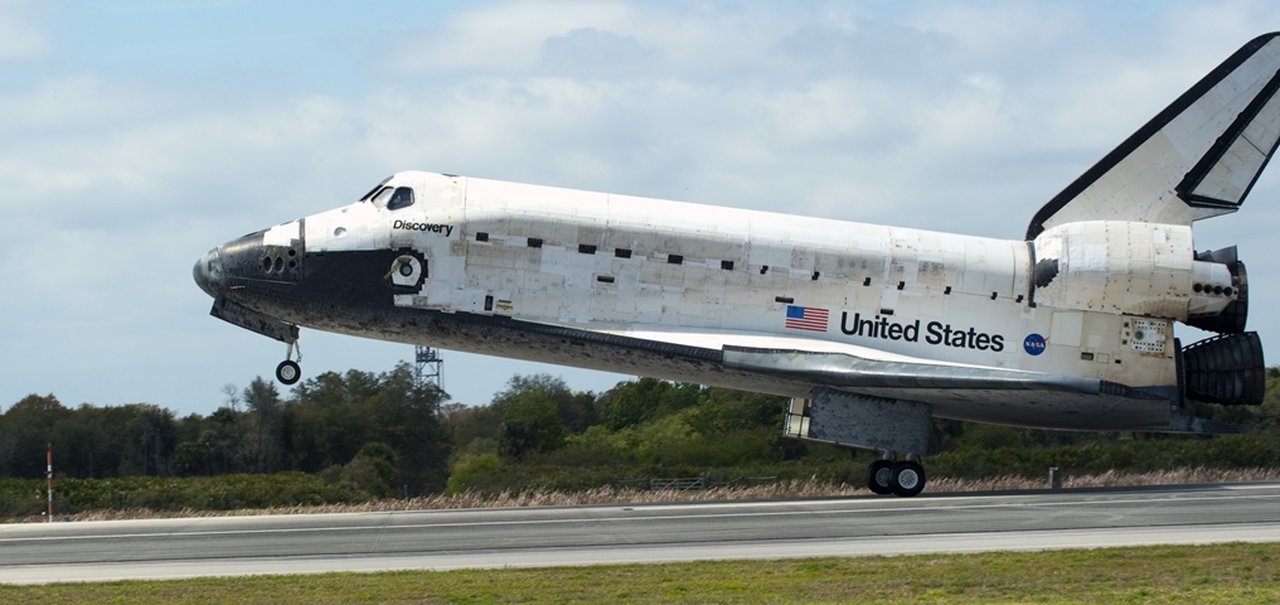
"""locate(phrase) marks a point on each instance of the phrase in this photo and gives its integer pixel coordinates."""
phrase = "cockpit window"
(382, 196)
(402, 198)
(376, 189)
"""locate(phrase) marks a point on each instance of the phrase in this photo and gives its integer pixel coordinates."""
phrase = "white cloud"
(62, 104)
(506, 36)
(19, 36)
(598, 39)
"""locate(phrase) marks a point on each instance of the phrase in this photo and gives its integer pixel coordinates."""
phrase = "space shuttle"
(872, 331)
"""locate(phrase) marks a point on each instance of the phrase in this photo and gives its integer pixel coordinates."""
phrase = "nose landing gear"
(288, 372)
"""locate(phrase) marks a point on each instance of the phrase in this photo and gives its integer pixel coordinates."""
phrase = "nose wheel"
(288, 372)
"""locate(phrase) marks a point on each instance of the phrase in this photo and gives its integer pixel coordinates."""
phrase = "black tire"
(907, 479)
(288, 372)
(878, 475)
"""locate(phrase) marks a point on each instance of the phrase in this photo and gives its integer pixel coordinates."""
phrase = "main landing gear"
(898, 429)
(900, 478)
(288, 372)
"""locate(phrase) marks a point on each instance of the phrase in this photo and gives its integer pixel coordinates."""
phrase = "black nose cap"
(208, 273)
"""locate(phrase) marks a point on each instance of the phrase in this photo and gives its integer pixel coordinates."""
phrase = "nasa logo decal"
(1034, 344)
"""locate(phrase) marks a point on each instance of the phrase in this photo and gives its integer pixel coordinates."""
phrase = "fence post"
(48, 474)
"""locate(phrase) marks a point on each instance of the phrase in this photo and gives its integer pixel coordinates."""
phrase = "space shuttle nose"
(208, 273)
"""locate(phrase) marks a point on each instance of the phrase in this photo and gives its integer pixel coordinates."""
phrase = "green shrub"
(25, 497)
(476, 472)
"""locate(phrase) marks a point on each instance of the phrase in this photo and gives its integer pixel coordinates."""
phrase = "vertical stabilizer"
(1196, 159)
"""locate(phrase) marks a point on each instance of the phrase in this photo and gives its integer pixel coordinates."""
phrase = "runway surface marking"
(620, 519)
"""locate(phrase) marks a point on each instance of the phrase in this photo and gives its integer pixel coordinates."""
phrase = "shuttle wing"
(989, 394)
(1196, 159)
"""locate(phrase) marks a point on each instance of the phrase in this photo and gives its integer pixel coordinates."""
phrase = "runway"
(438, 540)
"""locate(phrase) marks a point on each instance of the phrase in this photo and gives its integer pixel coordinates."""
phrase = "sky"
(136, 135)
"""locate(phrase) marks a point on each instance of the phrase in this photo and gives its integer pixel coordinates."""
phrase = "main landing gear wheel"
(906, 479)
(878, 477)
(288, 372)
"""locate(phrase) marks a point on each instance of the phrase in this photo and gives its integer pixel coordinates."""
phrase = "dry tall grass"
(809, 488)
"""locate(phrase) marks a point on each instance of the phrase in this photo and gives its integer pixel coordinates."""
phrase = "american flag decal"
(806, 318)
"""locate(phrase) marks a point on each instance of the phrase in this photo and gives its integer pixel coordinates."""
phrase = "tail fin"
(1196, 159)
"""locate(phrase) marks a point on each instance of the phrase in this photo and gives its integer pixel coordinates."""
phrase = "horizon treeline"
(334, 423)
(388, 435)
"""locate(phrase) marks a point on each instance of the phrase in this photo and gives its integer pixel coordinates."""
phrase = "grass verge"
(1227, 573)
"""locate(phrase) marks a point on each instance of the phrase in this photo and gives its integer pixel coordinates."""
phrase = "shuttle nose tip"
(208, 273)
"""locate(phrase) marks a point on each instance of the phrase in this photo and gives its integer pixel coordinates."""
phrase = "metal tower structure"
(428, 367)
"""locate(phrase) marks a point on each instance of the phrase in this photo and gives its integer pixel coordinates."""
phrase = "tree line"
(384, 434)
(351, 425)
(389, 435)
